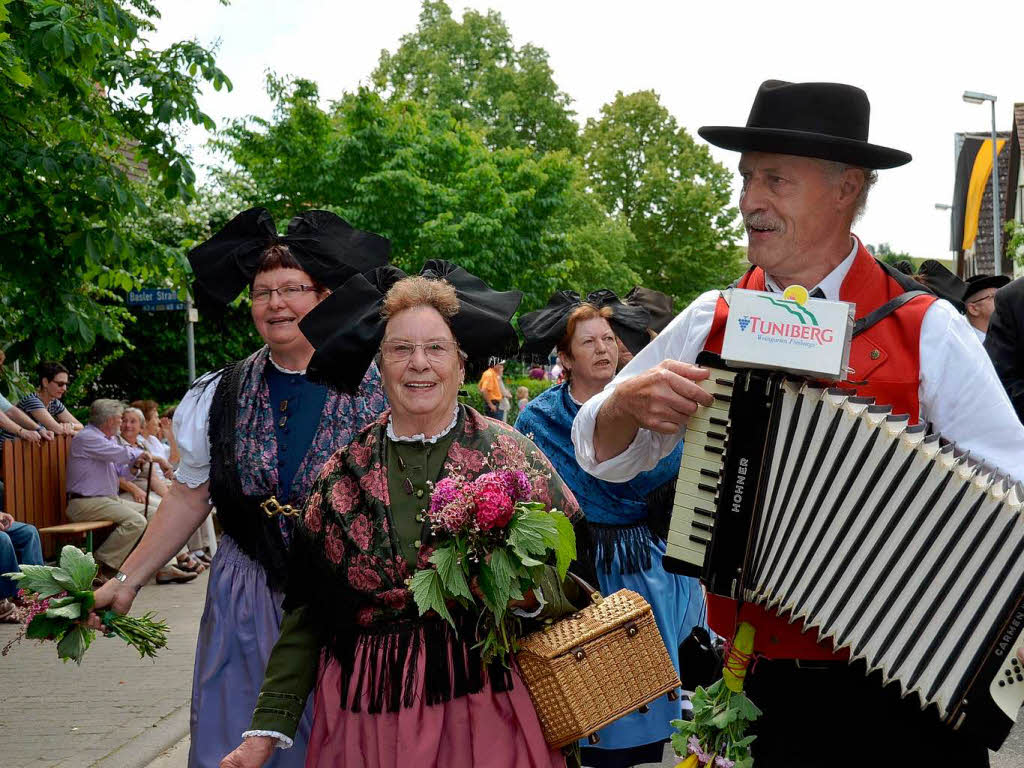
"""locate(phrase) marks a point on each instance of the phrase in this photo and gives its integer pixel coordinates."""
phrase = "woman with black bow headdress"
(393, 688)
(626, 553)
(253, 437)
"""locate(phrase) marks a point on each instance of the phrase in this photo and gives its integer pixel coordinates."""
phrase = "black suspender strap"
(885, 310)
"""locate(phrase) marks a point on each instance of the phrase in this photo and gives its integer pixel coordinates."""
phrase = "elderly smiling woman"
(393, 688)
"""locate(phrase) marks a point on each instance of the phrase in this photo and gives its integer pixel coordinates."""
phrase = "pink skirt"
(483, 730)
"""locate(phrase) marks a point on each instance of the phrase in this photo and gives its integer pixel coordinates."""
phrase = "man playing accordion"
(807, 168)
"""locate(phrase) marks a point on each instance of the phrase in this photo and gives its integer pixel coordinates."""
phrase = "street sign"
(155, 300)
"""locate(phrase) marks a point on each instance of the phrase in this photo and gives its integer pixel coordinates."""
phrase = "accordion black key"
(877, 535)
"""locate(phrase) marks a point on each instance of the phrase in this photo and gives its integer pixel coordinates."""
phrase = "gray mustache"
(761, 221)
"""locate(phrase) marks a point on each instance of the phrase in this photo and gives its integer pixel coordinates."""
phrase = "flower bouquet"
(715, 737)
(58, 600)
(494, 535)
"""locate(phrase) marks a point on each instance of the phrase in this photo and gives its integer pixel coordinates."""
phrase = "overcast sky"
(705, 60)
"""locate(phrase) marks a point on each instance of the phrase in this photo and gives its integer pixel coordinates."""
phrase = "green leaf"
(744, 707)
(428, 592)
(722, 719)
(564, 544)
(69, 611)
(453, 578)
(40, 580)
(57, 602)
(527, 533)
(496, 584)
(74, 644)
(80, 566)
(43, 627)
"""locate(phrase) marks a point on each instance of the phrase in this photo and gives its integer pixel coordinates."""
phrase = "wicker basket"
(596, 666)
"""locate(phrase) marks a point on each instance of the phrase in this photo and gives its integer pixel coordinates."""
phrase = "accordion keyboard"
(700, 475)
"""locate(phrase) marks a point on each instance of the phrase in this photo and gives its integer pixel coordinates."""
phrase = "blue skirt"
(678, 605)
(241, 623)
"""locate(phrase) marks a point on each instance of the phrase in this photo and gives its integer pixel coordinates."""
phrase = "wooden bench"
(34, 491)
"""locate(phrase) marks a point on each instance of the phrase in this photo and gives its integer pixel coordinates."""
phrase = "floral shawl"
(243, 470)
(348, 570)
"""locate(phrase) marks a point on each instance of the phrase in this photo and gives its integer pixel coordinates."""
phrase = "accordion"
(885, 539)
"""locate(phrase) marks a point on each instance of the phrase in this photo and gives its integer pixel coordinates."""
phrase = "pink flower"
(360, 454)
(344, 495)
(395, 598)
(723, 762)
(363, 579)
(445, 492)
(507, 454)
(365, 615)
(466, 458)
(361, 532)
(375, 483)
(313, 517)
(494, 506)
(517, 484)
(334, 547)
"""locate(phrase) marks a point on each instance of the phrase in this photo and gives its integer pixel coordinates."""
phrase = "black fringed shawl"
(347, 570)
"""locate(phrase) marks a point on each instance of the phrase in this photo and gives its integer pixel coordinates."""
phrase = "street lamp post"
(974, 97)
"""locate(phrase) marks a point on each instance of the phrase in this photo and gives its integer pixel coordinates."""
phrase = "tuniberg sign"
(789, 332)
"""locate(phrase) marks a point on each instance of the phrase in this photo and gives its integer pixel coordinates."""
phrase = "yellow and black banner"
(973, 177)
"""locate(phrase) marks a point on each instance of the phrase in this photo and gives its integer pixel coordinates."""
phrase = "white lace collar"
(423, 438)
(282, 369)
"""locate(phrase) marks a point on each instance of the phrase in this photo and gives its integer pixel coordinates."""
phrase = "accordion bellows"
(593, 667)
(880, 537)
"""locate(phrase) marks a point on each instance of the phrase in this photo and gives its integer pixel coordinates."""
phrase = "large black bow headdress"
(328, 248)
(544, 328)
(346, 328)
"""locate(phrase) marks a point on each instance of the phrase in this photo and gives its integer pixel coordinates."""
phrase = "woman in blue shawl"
(626, 552)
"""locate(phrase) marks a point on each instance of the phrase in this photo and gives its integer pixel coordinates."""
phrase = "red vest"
(885, 360)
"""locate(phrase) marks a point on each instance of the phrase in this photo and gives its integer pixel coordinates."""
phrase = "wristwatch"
(123, 578)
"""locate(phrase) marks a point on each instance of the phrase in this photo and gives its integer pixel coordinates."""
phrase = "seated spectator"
(19, 544)
(142, 481)
(522, 398)
(150, 482)
(16, 425)
(95, 463)
(45, 405)
(151, 440)
(167, 434)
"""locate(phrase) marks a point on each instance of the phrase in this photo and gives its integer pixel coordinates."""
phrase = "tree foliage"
(672, 194)
(473, 70)
(87, 111)
(418, 176)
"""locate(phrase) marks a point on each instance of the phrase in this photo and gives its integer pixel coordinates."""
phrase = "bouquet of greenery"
(58, 600)
(494, 536)
(716, 737)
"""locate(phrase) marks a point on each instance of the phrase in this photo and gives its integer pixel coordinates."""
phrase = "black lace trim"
(240, 516)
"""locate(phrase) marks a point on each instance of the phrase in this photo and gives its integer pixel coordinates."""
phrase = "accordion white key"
(880, 537)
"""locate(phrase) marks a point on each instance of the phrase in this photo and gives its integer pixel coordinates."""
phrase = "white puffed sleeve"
(191, 430)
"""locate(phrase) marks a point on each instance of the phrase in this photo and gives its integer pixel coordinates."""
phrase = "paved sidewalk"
(118, 711)
(114, 711)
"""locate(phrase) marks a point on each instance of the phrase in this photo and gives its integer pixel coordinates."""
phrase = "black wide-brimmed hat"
(824, 120)
(544, 328)
(659, 304)
(346, 328)
(326, 246)
(943, 283)
(978, 283)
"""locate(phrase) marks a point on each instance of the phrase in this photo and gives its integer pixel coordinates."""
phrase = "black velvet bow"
(544, 328)
(346, 328)
(325, 245)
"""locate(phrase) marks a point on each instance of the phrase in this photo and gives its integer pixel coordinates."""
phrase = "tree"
(87, 111)
(884, 252)
(673, 196)
(474, 71)
(417, 176)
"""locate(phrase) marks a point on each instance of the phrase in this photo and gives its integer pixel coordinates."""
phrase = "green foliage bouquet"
(58, 600)
(495, 538)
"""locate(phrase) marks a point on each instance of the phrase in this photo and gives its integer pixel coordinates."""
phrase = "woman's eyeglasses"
(401, 351)
(286, 292)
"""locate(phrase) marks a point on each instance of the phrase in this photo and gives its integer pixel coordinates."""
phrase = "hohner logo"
(1011, 633)
(740, 487)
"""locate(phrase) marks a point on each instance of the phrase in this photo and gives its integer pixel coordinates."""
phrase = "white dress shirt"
(959, 392)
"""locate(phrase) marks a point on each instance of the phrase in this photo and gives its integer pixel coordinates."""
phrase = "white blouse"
(191, 428)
